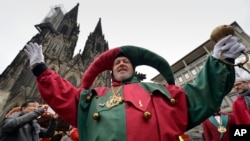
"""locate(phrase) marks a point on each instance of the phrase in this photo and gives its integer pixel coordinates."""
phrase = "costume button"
(172, 100)
(147, 115)
(88, 98)
(96, 116)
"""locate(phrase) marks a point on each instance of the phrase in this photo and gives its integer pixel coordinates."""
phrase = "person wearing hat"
(217, 126)
(241, 106)
(132, 110)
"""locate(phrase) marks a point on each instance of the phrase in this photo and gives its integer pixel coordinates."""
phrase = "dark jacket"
(22, 126)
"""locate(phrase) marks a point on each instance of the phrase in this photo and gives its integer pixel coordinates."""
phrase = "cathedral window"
(55, 48)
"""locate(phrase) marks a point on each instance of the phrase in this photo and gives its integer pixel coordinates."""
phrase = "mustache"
(122, 68)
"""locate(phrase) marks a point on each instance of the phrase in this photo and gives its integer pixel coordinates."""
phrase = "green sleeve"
(205, 95)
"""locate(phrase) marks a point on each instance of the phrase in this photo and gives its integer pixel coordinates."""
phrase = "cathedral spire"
(72, 14)
(98, 28)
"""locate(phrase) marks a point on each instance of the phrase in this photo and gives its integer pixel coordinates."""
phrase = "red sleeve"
(74, 134)
(206, 131)
(60, 95)
(240, 111)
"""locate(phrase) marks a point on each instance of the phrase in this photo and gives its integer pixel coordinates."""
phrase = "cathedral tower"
(58, 33)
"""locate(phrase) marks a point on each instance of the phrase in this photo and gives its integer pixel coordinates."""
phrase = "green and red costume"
(149, 111)
(211, 125)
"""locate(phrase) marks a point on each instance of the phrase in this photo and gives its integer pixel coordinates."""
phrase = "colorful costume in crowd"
(215, 130)
(148, 111)
(241, 106)
(241, 111)
(137, 111)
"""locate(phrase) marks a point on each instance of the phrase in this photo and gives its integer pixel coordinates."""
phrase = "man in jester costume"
(132, 110)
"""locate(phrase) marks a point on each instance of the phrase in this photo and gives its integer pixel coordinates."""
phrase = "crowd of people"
(130, 109)
(21, 124)
(217, 126)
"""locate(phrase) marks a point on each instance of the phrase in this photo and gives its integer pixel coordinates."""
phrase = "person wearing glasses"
(241, 106)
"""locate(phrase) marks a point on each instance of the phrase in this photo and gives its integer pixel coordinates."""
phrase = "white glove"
(229, 46)
(34, 53)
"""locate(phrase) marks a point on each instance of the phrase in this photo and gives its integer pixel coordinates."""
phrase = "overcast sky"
(170, 28)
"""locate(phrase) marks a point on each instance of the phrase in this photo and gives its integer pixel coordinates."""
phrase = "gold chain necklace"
(115, 99)
(221, 128)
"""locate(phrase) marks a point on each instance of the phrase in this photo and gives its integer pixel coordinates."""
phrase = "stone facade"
(58, 33)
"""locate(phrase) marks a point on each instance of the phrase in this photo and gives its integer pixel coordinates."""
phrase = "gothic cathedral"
(58, 33)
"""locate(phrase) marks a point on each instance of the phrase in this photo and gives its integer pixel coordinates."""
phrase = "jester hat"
(137, 55)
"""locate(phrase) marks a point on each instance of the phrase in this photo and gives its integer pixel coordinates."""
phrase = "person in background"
(23, 126)
(131, 110)
(241, 106)
(217, 126)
